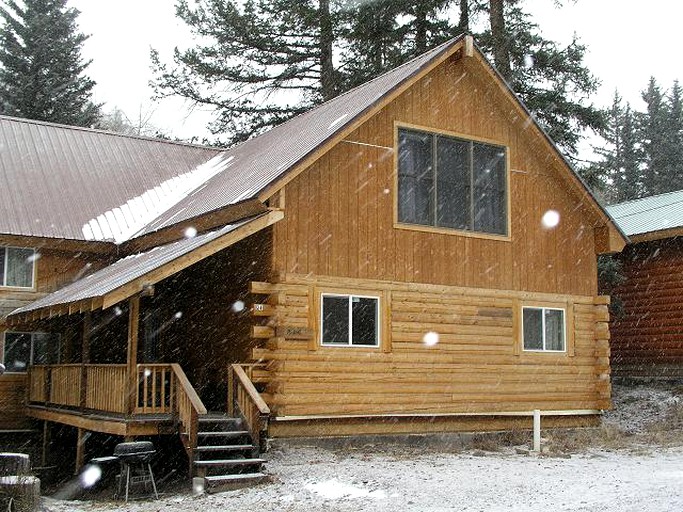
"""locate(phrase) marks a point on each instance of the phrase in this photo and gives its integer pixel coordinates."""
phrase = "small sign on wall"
(295, 333)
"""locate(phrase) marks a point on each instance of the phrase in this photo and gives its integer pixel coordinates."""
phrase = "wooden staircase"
(226, 456)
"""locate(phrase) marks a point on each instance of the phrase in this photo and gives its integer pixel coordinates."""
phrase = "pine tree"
(551, 80)
(672, 151)
(652, 127)
(267, 60)
(264, 61)
(41, 68)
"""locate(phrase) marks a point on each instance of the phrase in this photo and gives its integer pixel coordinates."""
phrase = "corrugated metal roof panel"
(648, 214)
(57, 180)
(126, 270)
(260, 161)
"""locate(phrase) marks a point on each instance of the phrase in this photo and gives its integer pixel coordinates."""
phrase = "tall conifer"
(41, 68)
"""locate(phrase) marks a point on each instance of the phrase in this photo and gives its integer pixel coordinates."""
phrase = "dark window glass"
(533, 329)
(453, 207)
(452, 183)
(554, 329)
(363, 321)
(17, 351)
(335, 320)
(416, 178)
(488, 168)
(2, 266)
(19, 267)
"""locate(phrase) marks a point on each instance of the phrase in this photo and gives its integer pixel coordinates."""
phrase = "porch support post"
(80, 450)
(85, 356)
(133, 324)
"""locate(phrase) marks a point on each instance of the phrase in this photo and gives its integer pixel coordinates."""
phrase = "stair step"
(228, 462)
(226, 433)
(226, 447)
(227, 482)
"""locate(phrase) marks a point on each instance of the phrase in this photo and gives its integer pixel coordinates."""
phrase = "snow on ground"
(640, 475)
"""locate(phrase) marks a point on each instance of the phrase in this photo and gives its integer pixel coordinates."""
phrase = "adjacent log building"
(412, 256)
(647, 328)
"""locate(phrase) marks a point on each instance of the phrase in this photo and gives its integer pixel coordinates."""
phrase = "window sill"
(452, 232)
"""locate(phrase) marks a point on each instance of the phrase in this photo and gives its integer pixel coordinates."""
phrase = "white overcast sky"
(628, 41)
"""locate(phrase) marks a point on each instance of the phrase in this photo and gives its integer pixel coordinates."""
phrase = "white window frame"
(3, 282)
(350, 297)
(564, 330)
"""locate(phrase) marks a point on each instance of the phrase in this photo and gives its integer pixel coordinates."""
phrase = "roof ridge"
(435, 50)
(25, 120)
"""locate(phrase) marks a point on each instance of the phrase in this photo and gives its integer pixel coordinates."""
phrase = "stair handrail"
(188, 406)
(243, 397)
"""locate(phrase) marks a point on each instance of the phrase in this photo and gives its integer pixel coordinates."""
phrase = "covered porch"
(149, 345)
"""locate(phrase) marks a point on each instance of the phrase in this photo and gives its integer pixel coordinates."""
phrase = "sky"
(627, 44)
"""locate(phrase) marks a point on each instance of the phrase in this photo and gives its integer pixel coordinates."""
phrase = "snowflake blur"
(550, 219)
(431, 338)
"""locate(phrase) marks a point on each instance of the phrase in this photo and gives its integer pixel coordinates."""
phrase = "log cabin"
(647, 328)
(412, 256)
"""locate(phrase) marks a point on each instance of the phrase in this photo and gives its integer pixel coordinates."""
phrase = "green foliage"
(551, 79)
(260, 62)
(643, 151)
(41, 69)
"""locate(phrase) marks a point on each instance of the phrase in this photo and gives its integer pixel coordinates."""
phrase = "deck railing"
(160, 389)
(244, 399)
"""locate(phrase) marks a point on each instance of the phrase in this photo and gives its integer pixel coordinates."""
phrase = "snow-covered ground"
(628, 465)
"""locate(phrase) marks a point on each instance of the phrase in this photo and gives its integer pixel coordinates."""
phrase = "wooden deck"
(103, 398)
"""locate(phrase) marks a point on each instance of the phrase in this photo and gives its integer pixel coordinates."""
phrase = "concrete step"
(221, 483)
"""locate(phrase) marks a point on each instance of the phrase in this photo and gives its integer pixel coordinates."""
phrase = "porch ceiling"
(132, 274)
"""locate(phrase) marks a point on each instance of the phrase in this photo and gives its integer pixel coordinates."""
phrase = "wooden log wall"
(647, 330)
(476, 367)
(12, 395)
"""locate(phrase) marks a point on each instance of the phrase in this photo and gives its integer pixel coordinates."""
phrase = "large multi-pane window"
(544, 329)
(16, 267)
(349, 320)
(22, 349)
(452, 183)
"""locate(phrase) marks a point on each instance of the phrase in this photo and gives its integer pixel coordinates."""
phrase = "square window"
(349, 320)
(543, 329)
(22, 349)
(16, 267)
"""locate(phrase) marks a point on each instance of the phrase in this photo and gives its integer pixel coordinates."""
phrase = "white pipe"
(537, 430)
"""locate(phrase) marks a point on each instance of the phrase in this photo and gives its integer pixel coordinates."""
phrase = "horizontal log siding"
(12, 398)
(647, 339)
(474, 368)
(339, 213)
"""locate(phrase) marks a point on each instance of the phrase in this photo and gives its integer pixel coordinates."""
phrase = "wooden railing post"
(249, 404)
(231, 392)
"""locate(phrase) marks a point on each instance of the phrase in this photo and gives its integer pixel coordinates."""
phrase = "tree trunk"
(420, 28)
(327, 84)
(501, 42)
(464, 23)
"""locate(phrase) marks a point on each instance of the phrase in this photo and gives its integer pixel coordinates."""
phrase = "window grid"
(349, 320)
(544, 332)
(471, 179)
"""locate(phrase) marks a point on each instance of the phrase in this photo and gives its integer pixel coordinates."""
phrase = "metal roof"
(76, 183)
(260, 161)
(126, 270)
(648, 214)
